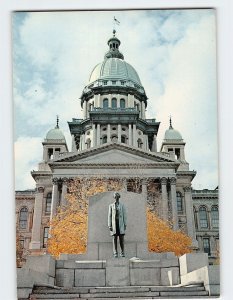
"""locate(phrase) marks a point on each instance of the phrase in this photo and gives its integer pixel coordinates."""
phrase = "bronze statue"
(117, 224)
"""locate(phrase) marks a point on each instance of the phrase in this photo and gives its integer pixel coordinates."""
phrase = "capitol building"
(114, 139)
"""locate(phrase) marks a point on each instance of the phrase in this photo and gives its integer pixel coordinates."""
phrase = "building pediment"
(113, 154)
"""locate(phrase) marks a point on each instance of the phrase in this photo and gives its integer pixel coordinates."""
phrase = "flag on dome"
(116, 21)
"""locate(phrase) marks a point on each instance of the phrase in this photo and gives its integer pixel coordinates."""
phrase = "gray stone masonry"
(118, 272)
(194, 268)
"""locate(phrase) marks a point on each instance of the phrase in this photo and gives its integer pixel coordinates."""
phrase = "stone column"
(84, 109)
(108, 133)
(189, 214)
(119, 133)
(30, 217)
(154, 145)
(209, 218)
(174, 203)
(130, 134)
(164, 198)
(143, 110)
(73, 144)
(35, 240)
(64, 191)
(98, 135)
(118, 100)
(54, 198)
(212, 246)
(199, 239)
(83, 141)
(93, 135)
(134, 135)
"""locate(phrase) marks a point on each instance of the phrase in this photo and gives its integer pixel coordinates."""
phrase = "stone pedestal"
(117, 272)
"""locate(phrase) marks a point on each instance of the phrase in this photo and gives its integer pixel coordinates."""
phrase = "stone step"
(128, 292)
(127, 289)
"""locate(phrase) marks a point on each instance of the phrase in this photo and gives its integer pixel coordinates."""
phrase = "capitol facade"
(114, 139)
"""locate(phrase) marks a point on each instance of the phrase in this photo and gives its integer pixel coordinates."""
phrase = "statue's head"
(117, 196)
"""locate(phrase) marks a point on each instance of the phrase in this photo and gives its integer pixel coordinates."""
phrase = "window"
(114, 103)
(122, 83)
(48, 203)
(113, 82)
(105, 82)
(105, 103)
(179, 202)
(104, 139)
(206, 245)
(50, 153)
(136, 105)
(122, 103)
(88, 142)
(140, 143)
(203, 217)
(114, 138)
(177, 153)
(22, 243)
(23, 218)
(214, 217)
(45, 236)
(123, 139)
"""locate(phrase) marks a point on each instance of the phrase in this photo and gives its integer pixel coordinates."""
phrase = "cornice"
(71, 157)
(70, 165)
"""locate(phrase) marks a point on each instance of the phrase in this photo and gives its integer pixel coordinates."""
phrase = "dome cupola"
(171, 133)
(115, 73)
(55, 133)
(114, 44)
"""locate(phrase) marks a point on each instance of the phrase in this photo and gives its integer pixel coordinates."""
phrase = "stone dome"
(116, 69)
(55, 134)
(172, 134)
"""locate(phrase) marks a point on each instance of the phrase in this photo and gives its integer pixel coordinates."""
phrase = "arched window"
(23, 218)
(140, 143)
(88, 142)
(104, 139)
(123, 139)
(206, 245)
(48, 203)
(114, 139)
(179, 202)
(105, 103)
(203, 217)
(122, 103)
(214, 217)
(114, 103)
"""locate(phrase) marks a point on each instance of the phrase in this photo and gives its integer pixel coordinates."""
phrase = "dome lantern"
(114, 44)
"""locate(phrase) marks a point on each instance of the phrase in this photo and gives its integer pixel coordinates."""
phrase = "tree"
(161, 237)
(68, 232)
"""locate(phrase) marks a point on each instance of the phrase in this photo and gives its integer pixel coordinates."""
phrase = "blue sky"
(173, 51)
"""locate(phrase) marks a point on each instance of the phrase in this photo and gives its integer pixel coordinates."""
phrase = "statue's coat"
(112, 218)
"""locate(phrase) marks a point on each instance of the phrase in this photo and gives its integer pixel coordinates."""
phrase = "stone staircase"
(196, 290)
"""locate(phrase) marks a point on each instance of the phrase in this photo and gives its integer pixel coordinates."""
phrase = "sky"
(173, 52)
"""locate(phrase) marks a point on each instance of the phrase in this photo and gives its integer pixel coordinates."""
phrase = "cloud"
(173, 52)
(28, 152)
